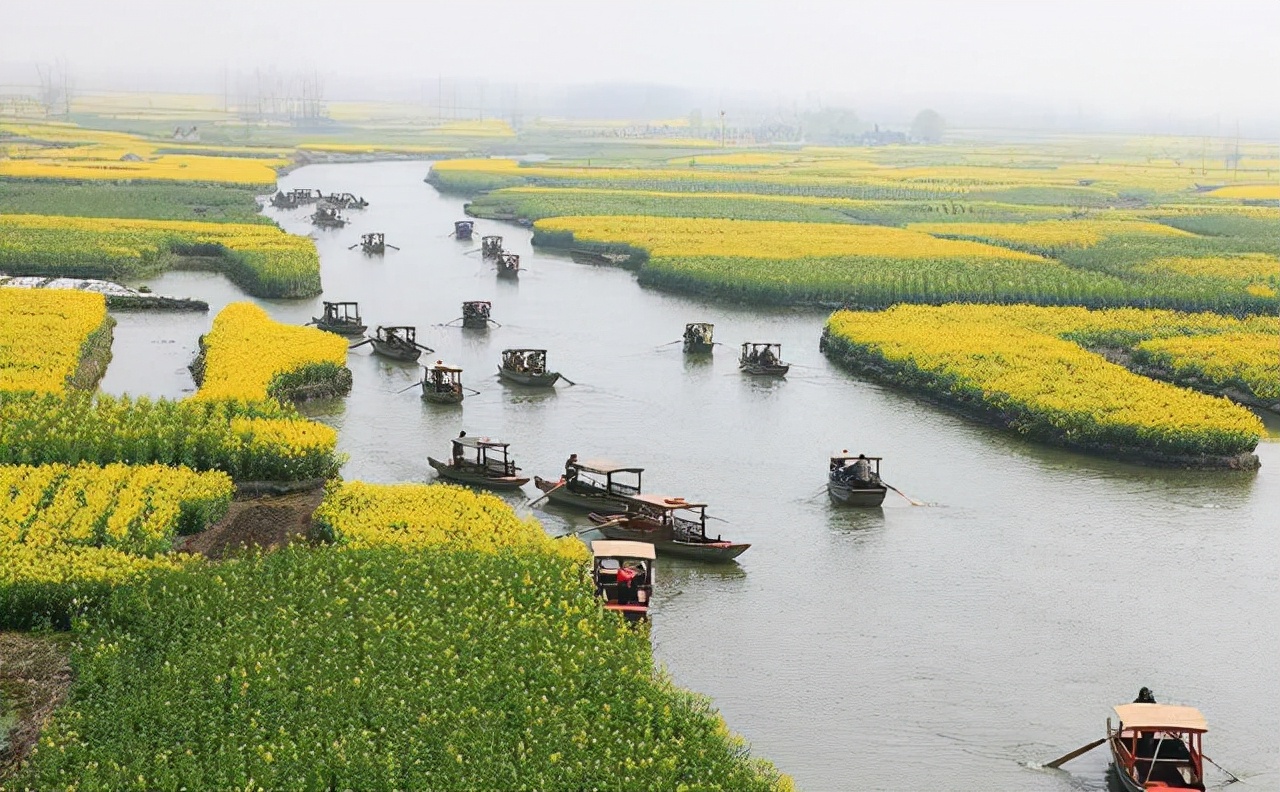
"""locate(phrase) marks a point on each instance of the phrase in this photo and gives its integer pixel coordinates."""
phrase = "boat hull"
(441, 397)
(341, 329)
(475, 323)
(510, 274)
(395, 352)
(578, 500)
(532, 380)
(475, 479)
(698, 348)
(865, 497)
(666, 544)
(1126, 781)
(757, 370)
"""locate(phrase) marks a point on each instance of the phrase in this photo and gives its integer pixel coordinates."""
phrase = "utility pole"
(721, 129)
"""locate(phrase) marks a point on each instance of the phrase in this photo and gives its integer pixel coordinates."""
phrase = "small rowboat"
(462, 229)
(623, 573)
(846, 488)
(398, 343)
(475, 314)
(1158, 746)
(698, 338)
(491, 468)
(490, 246)
(673, 526)
(762, 360)
(342, 318)
(508, 265)
(442, 384)
(585, 488)
(326, 216)
(527, 367)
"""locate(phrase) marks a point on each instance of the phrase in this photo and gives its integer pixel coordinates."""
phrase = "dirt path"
(266, 522)
(35, 673)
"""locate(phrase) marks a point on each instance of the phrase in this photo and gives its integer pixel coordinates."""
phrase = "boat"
(492, 467)
(342, 318)
(698, 338)
(398, 343)
(475, 314)
(462, 228)
(490, 246)
(624, 574)
(762, 359)
(442, 384)
(673, 526)
(844, 486)
(374, 243)
(294, 198)
(527, 367)
(593, 485)
(347, 201)
(327, 216)
(1157, 746)
(508, 265)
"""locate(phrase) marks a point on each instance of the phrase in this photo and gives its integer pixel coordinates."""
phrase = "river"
(947, 646)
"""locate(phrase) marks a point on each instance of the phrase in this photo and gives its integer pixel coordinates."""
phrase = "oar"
(1230, 774)
(393, 247)
(712, 517)
(584, 530)
(566, 379)
(362, 343)
(914, 502)
(472, 390)
(353, 247)
(423, 348)
(414, 385)
(1084, 749)
(547, 494)
(469, 252)
(669, 343)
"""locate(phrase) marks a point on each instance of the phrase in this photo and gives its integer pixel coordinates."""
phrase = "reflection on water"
(936, 647)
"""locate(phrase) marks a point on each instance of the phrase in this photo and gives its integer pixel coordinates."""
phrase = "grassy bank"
(138, 200)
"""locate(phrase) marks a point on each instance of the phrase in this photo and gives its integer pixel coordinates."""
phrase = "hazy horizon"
(1190, 62)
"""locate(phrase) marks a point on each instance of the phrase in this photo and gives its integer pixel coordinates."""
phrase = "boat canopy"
(601, 548)
(844, 454)
(444, 367)
(666, 502)
(479, 442)
(1161, 717)
(605, 467)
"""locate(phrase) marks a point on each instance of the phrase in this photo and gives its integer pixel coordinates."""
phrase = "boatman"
(571, 469)
(862, 469)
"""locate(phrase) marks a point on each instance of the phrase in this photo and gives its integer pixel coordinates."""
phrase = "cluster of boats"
(328, 208)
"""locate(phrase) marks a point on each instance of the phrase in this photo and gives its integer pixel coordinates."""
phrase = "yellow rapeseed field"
(1243, 266)
(421, 515)
(1051, 234)
(247, 349)
(1250, 361)
(42, 332)
(1262, 192)
(677, 236)
(1015, 360)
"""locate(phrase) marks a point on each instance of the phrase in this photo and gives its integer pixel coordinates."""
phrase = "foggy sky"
(1124, 56)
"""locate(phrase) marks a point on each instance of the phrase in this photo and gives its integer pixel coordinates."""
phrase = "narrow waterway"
(949, 646)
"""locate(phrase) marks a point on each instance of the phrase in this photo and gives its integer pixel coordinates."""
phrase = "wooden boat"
(762, 359)
(527, 367)
(1157, 746)
(624, 574)
(490, 246)
(342, 318)
(475, 314)
(462, 228)
(347, 201)
(844, 486)
(698, 338)
(491, 467)
(442, 384)
(592, 485)
(326, 216)
(673, 526)
(373, 243)
(294, 198)
(398, 343)
(508, 265)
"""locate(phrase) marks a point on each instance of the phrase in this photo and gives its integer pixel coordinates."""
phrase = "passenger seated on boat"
(767, 358)
(627, 592)
(862, 470)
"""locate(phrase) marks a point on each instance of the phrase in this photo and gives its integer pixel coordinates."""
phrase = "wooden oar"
(669, 343)
(584, 530)
(473, 390)
(423, 348)
(547, 494)
(414, 385)
(393, 247)
(362, 343)
(566, 379)
(495, 321)
(1084, 749)
(353, 247)
(1230, 774)
(913, 501)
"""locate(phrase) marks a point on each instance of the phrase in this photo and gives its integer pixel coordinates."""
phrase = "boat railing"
(615, 488)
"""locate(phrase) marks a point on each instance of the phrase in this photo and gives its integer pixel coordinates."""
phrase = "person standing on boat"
(571, 469)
